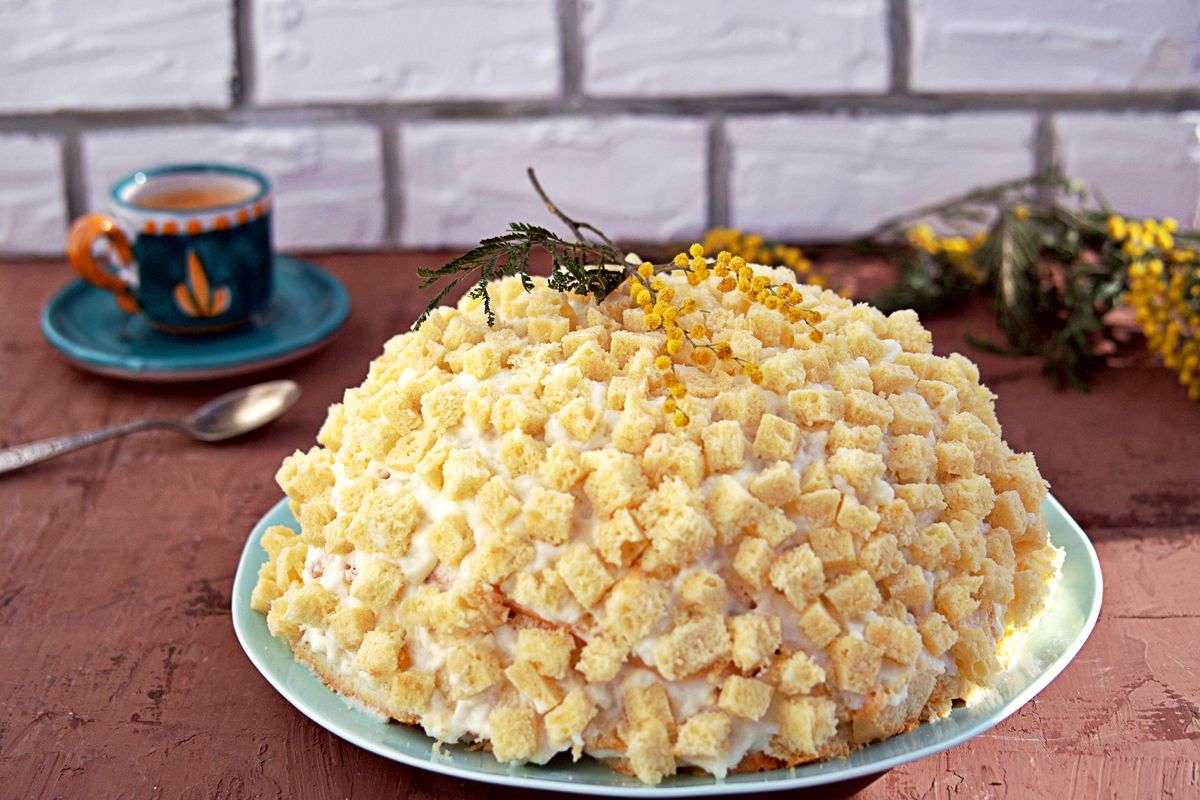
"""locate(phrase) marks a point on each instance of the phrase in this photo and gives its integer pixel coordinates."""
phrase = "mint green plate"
(1047, 649)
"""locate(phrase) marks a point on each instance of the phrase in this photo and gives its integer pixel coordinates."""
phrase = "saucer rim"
(184, 376)
(103, 362)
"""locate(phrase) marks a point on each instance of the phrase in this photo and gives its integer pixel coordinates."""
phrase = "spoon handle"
(14, 458)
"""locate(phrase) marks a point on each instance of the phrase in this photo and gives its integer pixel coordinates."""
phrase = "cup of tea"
(188, 245)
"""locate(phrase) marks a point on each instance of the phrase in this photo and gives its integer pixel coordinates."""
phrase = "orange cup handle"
(80, 241)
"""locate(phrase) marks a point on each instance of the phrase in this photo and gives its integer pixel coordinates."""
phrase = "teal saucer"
(306, 308)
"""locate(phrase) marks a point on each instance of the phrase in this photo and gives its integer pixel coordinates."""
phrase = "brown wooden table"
(120, 675)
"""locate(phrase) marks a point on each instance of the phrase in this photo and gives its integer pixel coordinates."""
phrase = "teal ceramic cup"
(188, 245)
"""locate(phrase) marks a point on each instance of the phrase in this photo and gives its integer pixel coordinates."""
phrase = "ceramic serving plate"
(1045, 652)
(306, 308)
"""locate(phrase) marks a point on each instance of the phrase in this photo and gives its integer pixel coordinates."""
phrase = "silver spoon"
(231, 414)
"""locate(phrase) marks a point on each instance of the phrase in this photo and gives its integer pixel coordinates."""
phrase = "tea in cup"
(189, 246)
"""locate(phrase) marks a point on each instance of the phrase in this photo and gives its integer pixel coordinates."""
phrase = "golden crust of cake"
(510, 536)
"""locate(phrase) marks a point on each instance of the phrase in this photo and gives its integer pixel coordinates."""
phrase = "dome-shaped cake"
(534, 536)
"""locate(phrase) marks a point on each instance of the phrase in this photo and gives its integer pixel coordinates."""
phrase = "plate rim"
(718, 787)
(103, 362)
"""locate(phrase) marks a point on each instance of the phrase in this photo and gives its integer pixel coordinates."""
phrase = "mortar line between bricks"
(1045, 144)
(74, 191)
(718, 175)
(933, 104)
(899, 40)
(1042, 148)
(570, 50)
(393, 175)
(242, 84)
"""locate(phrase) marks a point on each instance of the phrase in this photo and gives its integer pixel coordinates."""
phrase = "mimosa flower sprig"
(1056, 262)
(581, 265)
(758, 250)
(592, 264)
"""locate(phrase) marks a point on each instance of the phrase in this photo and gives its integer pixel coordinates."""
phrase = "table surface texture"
(120, 675)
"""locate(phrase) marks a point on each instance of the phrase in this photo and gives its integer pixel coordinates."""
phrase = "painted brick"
(330, 50)
(1060, 45)
(640, 178)
(812, 177)
(327, 178)
(33, 215)
(714, 47)
(69, 54)
(1145, 164)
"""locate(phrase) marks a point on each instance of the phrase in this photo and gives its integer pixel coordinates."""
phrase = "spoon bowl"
(242, 410)
(230, 415)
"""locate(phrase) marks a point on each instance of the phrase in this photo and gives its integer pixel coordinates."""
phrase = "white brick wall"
(1150, 163)
(338, 51)
(328, 179)
(81, 54)
(708, 47)
(640, 178)
(32, 213)
(408, 122)
(814, 177)
(1055, 45)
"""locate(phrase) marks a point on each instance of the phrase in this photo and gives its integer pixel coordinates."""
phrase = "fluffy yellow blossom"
(735, 245)
(1117, 229)
(655, 297)
(923, 238)
(1164, 293)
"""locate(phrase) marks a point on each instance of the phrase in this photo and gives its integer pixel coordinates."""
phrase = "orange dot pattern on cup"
(220, 222)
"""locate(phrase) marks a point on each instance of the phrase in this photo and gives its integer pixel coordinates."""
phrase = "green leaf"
(1009, 260)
